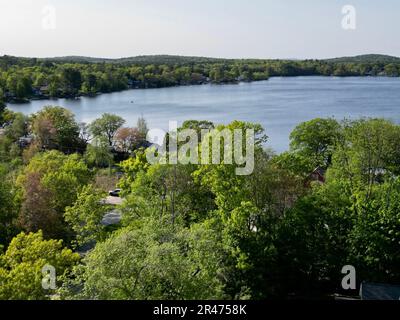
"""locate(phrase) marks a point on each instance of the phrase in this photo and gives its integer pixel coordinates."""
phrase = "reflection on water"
(278, 104)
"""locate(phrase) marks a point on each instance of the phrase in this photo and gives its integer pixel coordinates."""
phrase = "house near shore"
(318, 175)
(41, 91)
(25, 142)
(44, 89)
(8, 94)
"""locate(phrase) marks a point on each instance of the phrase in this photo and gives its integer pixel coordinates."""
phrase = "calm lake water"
(279, 104)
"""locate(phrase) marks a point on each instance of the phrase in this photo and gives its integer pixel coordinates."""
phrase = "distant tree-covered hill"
(367, 58)
(183, 60)
(145, 59)
(175, 59)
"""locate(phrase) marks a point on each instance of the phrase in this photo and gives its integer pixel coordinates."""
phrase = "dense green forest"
(194, 231)
(32, 78)
(367, 58)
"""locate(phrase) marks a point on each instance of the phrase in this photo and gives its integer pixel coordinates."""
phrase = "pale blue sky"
(217, 28)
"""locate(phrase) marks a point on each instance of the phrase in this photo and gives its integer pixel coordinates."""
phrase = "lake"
(278, 104)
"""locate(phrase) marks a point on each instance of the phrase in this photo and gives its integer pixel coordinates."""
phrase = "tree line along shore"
(23, 79)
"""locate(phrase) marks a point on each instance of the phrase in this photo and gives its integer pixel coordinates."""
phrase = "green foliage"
(155, 260)
(8, 208)
(351, 219)
(295, 162)
(165, 191)
(21, 266)
(19, 84)
(18, 127)
(375, 238)
(85, 216)
(369, 153)
(132, 167)
(2, 107)
(98, 154)
(24, 78)
(142, 128)
(316, 140)
(71, 79)
(106, 127)
(228, 187)
(312, 241)
(56, 128)
(48, 184)
(198, 126)
(203, 231)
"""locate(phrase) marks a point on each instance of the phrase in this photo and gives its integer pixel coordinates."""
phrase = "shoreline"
(94, 95)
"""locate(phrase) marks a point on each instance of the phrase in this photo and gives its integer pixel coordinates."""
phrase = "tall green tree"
(8, 208)
(316, 140)
(21, 266)
(49, 184)
(375, 239)
(56, 128)
(106, 126)
(85, 216)
(153, 259)
(71, 79)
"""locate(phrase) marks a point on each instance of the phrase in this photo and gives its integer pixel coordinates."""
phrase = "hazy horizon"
(262, 29)
(197, 56)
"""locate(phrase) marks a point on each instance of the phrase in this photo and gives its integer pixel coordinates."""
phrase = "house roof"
(320, 171)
